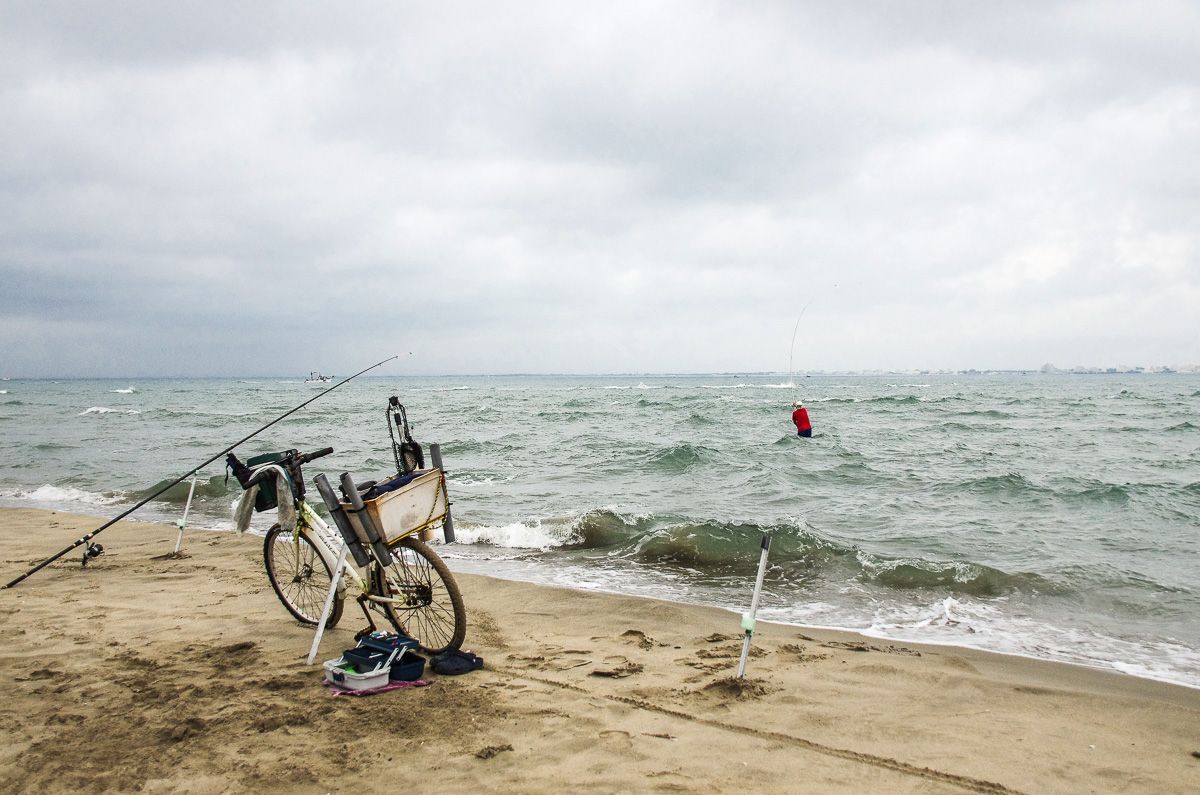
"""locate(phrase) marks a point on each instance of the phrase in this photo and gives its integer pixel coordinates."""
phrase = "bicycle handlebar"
(260, 474)
(306, 457)
(292, 461)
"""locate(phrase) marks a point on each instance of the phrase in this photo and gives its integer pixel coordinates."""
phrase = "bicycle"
(402, 578)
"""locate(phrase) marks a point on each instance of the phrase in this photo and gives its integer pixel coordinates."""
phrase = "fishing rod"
(188, 474)
(791, 350)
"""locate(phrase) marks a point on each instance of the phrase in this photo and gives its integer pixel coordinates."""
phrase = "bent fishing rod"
(186, 475)
(792, 349)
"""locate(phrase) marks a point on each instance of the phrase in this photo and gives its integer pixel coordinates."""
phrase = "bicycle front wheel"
(428, 605)
(299, 575)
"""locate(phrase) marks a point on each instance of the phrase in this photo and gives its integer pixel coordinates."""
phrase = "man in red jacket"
(800, 417)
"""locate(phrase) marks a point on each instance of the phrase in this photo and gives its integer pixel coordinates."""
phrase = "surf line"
(185, 476)
(792, 349)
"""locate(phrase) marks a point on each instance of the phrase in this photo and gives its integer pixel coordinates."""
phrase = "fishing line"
(188, 474)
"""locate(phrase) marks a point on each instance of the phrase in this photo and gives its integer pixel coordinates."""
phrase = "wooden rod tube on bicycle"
(435, 455)
(360, 554)
(382, 553)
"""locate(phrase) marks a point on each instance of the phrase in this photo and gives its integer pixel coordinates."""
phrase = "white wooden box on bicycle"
(417, 506)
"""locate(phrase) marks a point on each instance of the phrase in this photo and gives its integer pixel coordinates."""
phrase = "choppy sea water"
(1055, 516)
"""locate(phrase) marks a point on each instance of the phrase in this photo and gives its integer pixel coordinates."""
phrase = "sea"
(1054, 516)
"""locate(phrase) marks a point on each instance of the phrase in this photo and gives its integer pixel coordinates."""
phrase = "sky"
(210, 188)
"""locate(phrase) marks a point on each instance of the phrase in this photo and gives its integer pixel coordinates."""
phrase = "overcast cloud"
(581, 188)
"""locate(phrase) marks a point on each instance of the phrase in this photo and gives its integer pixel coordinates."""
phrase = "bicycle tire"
(434, 616)
(299, 576)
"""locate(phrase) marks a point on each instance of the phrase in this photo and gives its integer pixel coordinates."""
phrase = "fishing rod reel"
(407, 452)
(91, 552)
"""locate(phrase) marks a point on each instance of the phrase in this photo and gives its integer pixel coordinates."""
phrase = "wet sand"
(143, 673)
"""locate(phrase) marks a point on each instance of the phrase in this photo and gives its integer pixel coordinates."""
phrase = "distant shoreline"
(1186, 370)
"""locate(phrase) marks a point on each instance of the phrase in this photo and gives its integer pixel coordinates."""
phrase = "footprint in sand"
(739, 689)
(552, 658)
(638, 638)
(616, 737)
(731, 651)
(491, 750)
(800, 653)
(705, 668)
(618, 668)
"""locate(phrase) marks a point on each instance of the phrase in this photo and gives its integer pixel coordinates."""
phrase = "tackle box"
(337, 674)
(366, 659)
(375, 649)
(388, 641)
(408, 668)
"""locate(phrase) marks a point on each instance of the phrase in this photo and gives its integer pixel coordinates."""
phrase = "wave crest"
(681, 457)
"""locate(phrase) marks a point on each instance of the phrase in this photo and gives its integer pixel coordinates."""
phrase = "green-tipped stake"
(182, 523)
(748, 618)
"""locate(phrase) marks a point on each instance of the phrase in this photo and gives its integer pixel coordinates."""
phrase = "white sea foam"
(128, 391)
(106, 410)
(3, 391)
(516, 535)
(989, 626)
(472, 480)
(61, 495)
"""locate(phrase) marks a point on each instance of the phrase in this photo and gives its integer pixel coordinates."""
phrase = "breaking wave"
(106, 410)
(713, 551)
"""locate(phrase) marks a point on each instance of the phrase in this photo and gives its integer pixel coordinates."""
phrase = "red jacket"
(800, 417)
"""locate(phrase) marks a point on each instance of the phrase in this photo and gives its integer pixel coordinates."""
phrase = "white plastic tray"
(336, 675)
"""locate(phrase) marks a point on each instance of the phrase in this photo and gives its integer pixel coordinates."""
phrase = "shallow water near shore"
(1056, 516)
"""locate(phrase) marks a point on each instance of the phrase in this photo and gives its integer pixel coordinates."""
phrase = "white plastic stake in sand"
(183, 521)
(333, 586)
(748, 620)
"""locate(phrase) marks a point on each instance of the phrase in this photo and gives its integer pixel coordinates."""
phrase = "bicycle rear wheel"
(429, 605)
(299, 575)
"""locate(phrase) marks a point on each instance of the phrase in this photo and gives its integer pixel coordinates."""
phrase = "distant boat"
(316, 379)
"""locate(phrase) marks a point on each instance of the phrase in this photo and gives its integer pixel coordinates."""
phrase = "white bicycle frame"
(329, 543)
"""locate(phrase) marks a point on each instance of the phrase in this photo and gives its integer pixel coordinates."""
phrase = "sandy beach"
(143, 673)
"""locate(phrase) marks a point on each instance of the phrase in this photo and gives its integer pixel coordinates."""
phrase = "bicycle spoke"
(427, 605)
(299, 575)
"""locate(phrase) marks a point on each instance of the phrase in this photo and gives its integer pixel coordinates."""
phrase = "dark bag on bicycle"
(266, 499)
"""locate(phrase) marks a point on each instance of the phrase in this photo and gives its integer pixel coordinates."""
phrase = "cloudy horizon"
(205, 189)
